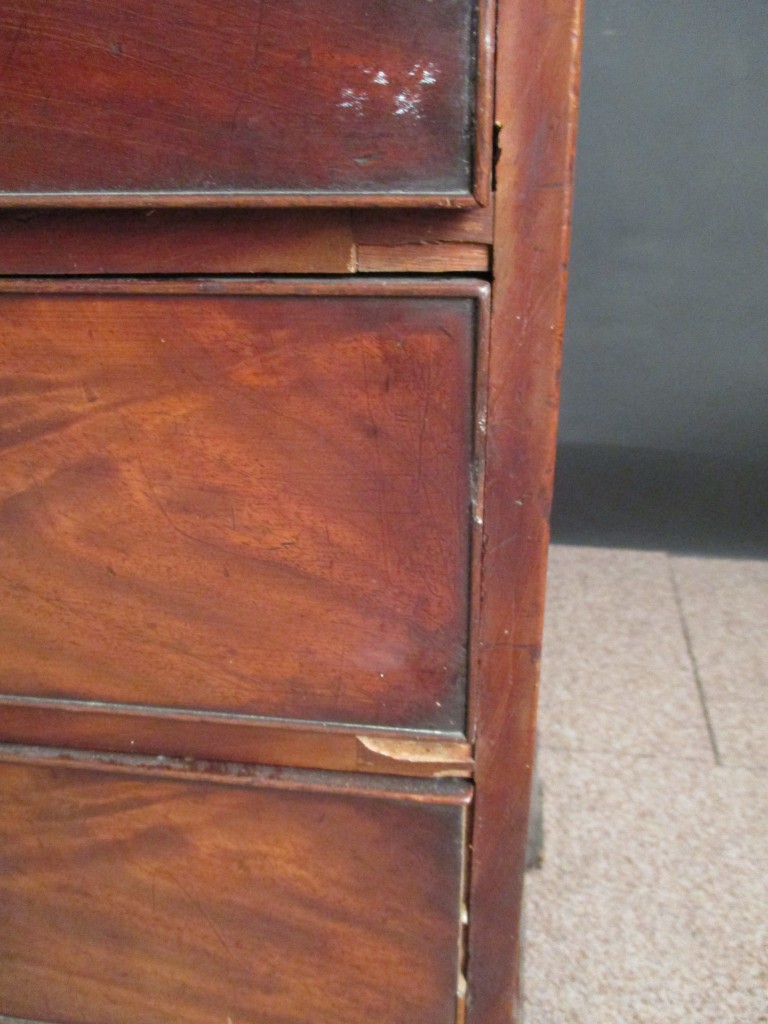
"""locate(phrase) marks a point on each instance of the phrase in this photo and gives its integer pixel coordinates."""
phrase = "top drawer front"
(255, 101)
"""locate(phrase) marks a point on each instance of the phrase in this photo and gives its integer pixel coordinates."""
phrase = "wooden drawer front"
(254, 503)
(153, 901)
(252, 101)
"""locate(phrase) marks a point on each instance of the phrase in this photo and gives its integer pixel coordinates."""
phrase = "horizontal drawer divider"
(456, 792)
(224, 736)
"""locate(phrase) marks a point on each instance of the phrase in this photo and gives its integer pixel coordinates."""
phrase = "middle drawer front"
(237, 497)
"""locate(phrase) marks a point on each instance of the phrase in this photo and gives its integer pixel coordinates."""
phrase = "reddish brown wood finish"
(410, 227)
(57, 723)
(440, 258)
(164, 241)
(377, 465)
(129, 896)
(255, 101)
(222, 241)
(254, 503)
(538, 52)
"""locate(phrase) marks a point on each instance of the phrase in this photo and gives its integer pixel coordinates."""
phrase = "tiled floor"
(652, 904)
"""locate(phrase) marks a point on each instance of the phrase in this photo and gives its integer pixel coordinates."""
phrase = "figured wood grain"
(156, 899)
(256, 101)
(538, 64)
(254, 503)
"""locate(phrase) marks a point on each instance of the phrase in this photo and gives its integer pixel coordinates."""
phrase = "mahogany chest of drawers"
(280, 314)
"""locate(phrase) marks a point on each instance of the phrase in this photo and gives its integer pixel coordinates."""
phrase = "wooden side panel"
(248, 503)
(538, 51)
(131, 898)
(250, 101)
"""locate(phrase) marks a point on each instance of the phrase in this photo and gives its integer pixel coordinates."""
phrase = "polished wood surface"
(537, 106)
(255, 101)
(163, 241)
(441, 258)
(254, 503)
(251, 528)
(264, 899)
(247, 739)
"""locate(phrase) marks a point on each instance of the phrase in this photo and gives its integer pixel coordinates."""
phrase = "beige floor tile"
(652, 905)
(616, 674)
(725, 606)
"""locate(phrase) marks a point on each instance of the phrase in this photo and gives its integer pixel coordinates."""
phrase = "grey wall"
(667, 336)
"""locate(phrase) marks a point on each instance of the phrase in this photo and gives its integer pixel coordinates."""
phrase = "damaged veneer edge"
(453, 791)
(313, 241)
(452, 759)
(133, 730)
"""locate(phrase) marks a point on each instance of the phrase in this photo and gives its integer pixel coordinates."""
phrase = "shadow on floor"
(637, 498)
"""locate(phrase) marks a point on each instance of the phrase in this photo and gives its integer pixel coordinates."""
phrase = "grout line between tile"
(627, 755)
(694, 663)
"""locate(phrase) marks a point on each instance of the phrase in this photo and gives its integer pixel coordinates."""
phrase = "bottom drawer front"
(132, 898)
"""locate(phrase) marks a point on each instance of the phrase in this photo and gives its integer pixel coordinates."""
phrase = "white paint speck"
(380, 78)
(352, 100)
(408, 104)
(426, 73)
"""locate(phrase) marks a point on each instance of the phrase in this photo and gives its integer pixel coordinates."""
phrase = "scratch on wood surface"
(423, 420)
(198, 906)
(252, 68)
(18, 32)
(382, 481)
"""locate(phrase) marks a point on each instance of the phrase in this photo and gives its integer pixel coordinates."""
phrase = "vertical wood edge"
(537, 90)
(484, 101)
